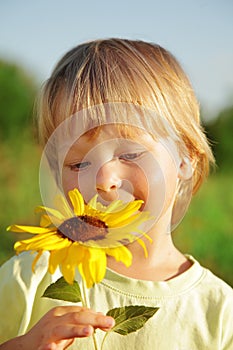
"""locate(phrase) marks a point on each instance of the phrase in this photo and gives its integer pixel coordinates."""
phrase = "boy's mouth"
(130, 198)
(120, 194)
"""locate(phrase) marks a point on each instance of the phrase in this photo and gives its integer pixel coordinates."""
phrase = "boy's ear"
(186, 168)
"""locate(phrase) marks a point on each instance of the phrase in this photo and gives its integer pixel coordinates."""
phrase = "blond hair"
(127, 71)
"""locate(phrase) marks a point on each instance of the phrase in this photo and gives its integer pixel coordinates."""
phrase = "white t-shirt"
(195, 308)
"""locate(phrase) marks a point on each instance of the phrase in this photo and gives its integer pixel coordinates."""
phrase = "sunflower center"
(83, 228)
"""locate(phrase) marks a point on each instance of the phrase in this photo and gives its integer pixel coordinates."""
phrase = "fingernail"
(110, 322)
(87, 330)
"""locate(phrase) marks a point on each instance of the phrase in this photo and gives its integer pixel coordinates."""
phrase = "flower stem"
(85, 304)
(94, 341)
(102, 344)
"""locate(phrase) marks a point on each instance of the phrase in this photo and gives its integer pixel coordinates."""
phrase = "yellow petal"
(39, 237)
(121, 254)
(56, 258)
(75, 255)
(63, 207)
(29, 229)
(142, 244)
(68, 272)
(116, 206)
(21, 246)
(44, 242)
(93, 202)
(45, 220)
(127, 220)
(51, 211)
(147, 236)
(88, 210)
(77, 201)
(113, 239)
(53, 243)
(94, 268)
(36, 259)
(137, 220)
(115, 219)
(67, 268)
(119, 236)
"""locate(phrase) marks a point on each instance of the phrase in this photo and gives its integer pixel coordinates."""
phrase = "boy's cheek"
(159, 181)
(84, 183)
(69, 181)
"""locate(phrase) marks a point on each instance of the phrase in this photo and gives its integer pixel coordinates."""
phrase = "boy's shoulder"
(20, 267)
(207, 286)
(215, 288)
(27, 257)
(216, 283)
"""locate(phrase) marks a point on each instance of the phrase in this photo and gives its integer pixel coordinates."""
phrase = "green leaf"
(129, 319)
(63, 291)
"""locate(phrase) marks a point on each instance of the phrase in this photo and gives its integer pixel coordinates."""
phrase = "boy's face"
(116, 167)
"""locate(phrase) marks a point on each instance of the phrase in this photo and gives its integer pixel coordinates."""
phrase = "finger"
(62, 310)
(70, 331)
(60, 345)
(88, 317)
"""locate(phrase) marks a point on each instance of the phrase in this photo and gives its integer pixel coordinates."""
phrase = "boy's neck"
(164, 261)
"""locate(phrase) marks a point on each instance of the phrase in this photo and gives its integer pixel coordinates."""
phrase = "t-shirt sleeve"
(227, 322)
(18, 286)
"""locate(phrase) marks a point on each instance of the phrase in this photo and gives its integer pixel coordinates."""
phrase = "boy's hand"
(58, 328)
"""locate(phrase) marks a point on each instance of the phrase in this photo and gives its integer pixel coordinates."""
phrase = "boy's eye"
(79, 166)
(130, 156)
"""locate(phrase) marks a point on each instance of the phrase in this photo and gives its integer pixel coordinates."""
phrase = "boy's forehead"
(113, 130)
(119, 134)
(112, 120)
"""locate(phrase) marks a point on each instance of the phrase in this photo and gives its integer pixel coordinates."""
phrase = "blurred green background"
(205, 232)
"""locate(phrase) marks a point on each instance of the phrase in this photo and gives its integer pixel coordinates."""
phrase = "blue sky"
(199, 33)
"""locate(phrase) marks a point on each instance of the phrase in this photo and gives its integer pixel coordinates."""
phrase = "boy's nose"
(108, 181)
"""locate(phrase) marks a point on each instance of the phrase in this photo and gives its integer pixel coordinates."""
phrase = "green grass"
(205, 232)
(19, 188)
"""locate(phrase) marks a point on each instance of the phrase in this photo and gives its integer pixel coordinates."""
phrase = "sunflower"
(83, 237)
